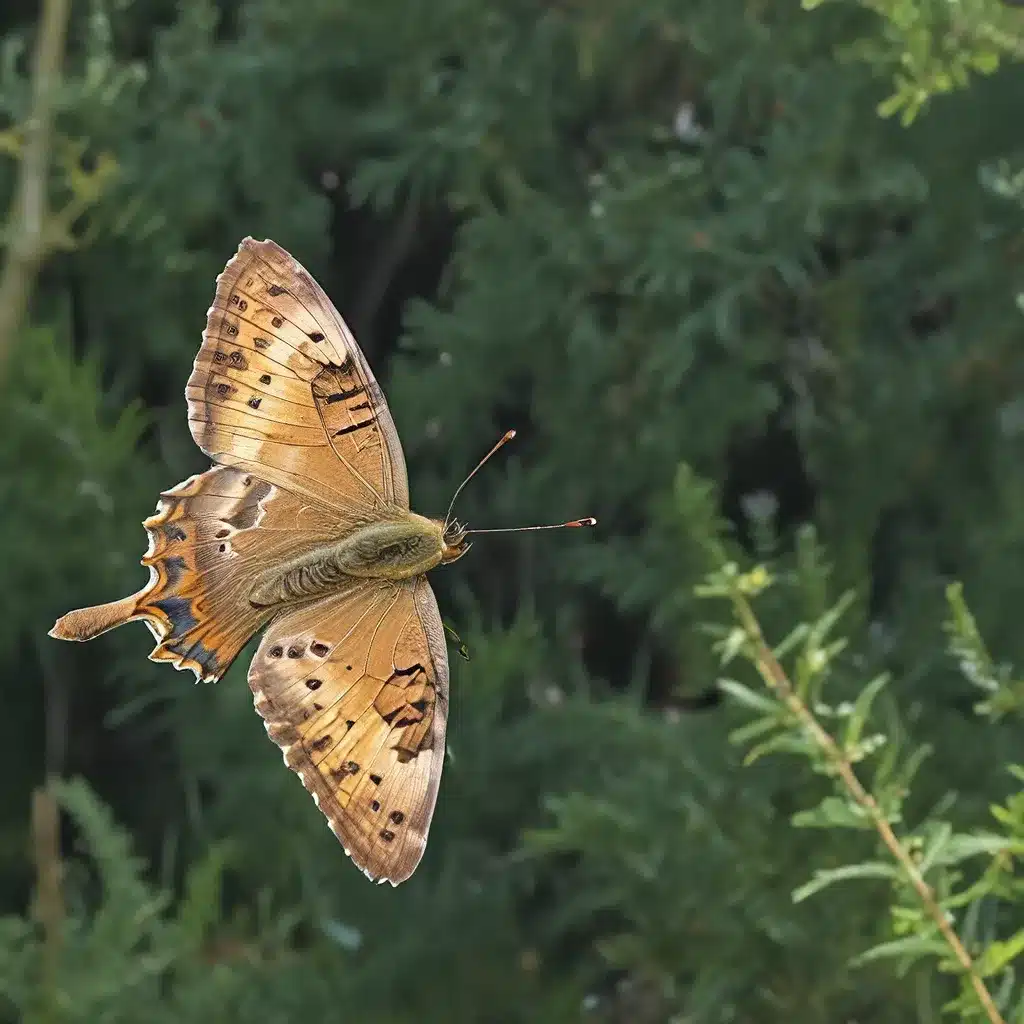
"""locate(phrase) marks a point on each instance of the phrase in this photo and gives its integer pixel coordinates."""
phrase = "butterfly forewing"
(281, 389)
(354, 689)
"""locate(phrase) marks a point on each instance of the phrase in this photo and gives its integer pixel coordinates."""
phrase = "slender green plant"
(942, 881)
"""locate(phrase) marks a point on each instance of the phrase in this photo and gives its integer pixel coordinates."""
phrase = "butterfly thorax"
(396, 548)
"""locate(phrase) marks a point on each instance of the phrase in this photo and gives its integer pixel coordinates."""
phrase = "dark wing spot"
(387, 835)
(319, 649)
(277, 321)
(314, 684)
(254, 403)
(261, 343)
(265, 379)
(174, 567)
(317, 707)
(276, 289)
(224, 389)
(316, 336)
(374, 805)
(276, 651)
(348, 724)
(351, 767)
(176, 533)
(397, 817)
(321, 744)
(219, 357)
(375, 779)
(223, 548)
(295, 652)
(205, 659)
(340, 396)
(179, 611)
(348, 668)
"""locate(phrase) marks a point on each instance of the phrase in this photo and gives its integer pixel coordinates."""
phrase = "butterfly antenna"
(506, 437)
(589, 521)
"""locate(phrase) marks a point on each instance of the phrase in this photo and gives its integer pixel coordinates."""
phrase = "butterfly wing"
(210, 536)
(281, 390)
(354, 689)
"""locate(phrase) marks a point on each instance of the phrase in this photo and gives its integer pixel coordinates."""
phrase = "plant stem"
(775, 677)
(49, 909)
(30, 211)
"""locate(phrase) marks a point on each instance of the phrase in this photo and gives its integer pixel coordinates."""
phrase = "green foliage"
(941, 882)
(648, 236)
(933, 47)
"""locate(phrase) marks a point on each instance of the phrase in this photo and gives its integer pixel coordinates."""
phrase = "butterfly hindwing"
(281, 389)
(209, 538)
(354, 689)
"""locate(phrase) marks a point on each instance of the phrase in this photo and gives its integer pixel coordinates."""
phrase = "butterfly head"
(454, 544)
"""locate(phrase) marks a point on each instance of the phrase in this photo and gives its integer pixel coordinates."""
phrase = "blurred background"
(730, 267)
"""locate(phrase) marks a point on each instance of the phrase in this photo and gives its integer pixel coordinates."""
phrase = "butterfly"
(302, 526)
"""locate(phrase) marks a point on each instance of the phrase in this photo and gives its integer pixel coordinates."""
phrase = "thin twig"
(774, 675)
(30, 211)
(49, 903)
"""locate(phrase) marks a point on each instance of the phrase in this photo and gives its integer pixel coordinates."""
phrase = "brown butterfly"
(303, 522)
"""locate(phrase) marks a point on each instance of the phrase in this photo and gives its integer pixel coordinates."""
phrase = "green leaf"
(752, 730)
(862, 709)
(785, 743)
(937, 841)
(824, 878)
(750, 698)
(998, 954)
(912, 947)
(833, 812)
(987, 62)
(963, 847)
(824, 626)
(792, 639)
